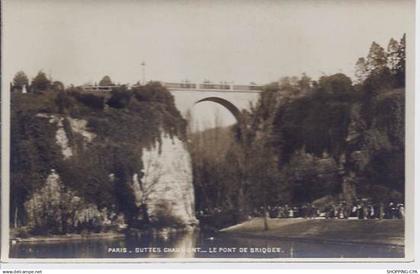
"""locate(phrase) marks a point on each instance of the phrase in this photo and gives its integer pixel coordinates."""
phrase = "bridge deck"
(215, 90)
(213, 87)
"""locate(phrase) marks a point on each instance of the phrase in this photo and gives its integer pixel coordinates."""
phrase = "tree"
(40, 82)
(305, 83)
(337, 83)
(264, 187)
(57, 86)
(379, 80)
(361, 71)
(311, 177)
(392, 55)
(106, 81)
(144, 188)
(20, 80)
(376, 58)
(64, 102)
(400, 66)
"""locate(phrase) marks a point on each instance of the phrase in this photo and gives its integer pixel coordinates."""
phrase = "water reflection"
(202, 245)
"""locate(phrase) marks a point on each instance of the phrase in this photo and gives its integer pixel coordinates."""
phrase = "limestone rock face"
(77, 126)
(80, 126)
(166, 186)
(60, 136)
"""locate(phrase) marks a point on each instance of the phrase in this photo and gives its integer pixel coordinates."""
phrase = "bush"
(90, 100)
(153, 92)
(119, 98)
(64, 102)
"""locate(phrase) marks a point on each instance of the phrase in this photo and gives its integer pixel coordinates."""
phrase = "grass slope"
(389, 232)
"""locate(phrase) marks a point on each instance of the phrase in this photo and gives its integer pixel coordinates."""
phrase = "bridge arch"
(225, 103)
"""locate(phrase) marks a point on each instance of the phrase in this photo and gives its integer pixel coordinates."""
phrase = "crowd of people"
(361, 209)
(340, 210)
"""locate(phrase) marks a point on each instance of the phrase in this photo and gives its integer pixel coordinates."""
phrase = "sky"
(241, 41)
(245, 41)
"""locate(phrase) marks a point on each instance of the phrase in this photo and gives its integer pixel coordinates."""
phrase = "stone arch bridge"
(232, 97)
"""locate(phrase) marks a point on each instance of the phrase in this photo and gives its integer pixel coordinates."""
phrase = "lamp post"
(143, 66)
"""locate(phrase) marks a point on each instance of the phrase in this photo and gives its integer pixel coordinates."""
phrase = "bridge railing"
(212, 86)
(247, 87)
(180, 85)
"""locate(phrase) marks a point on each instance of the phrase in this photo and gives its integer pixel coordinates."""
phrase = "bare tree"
(145, 186)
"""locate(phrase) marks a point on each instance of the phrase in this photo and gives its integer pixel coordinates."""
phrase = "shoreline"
(92, 236)
(68, 237)
(356, 232)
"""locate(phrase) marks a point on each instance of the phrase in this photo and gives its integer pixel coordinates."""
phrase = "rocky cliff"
(166, 186)
(83, 161)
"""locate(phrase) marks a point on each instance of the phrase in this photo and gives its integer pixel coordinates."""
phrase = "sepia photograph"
(206, 130)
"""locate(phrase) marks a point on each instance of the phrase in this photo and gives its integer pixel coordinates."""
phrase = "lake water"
(202, 245)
